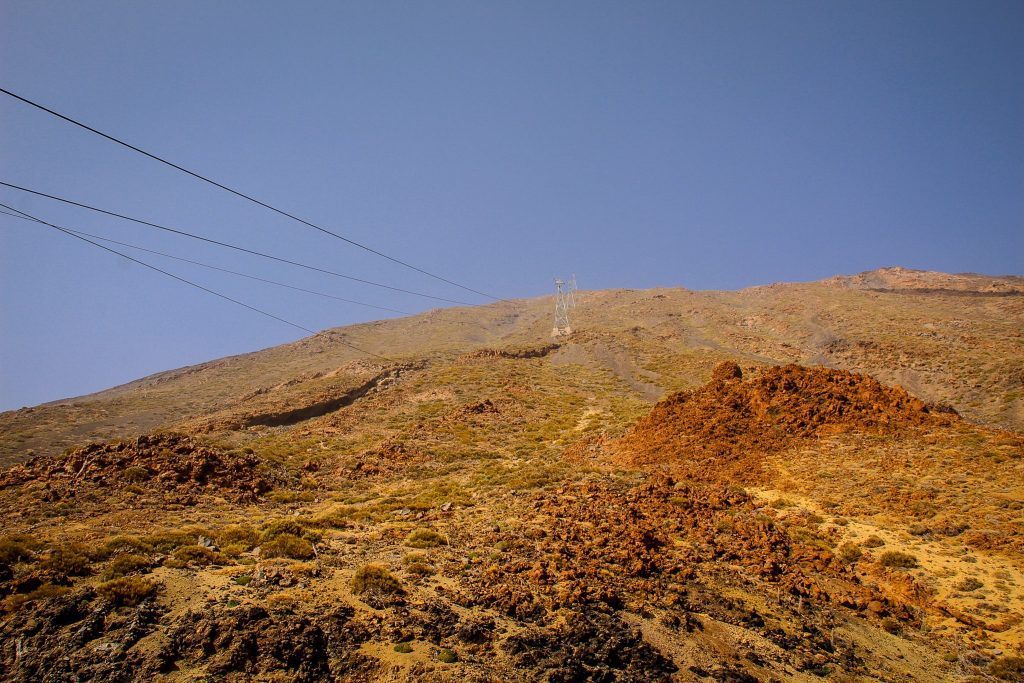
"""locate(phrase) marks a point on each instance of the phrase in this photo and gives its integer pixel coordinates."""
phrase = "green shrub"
(1008, 668)
(288, 545)
(446, 656)
(425, 538)
(238, 534)
(850, 552)
(122, 544)
(167, 541)
(13, 551)
(13, 602)
(419, 569)
(294, 526)
(66, 560)
(375, 579)
(403, 648)
(234, 550)
(969, 584)
(127, 590)
(893, 558)
(135, 474)
(124, 565)
(197, 555)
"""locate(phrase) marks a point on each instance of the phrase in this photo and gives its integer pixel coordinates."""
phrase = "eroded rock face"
(76, 636)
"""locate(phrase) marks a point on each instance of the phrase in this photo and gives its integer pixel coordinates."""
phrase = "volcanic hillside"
(793, 482)
(953, 339)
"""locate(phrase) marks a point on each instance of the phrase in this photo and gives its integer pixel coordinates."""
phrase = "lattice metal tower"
(563, 302)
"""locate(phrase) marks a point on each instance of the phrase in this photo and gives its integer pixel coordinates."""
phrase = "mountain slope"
(672, 493)
(954, 339)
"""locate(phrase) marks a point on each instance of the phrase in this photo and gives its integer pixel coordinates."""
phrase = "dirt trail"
(599, 355)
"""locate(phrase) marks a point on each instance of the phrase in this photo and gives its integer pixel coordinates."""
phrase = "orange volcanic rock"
(724, 424)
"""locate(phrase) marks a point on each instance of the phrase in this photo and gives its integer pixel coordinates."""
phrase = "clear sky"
(637, 143)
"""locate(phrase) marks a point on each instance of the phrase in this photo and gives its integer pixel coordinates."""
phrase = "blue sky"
(638, 144)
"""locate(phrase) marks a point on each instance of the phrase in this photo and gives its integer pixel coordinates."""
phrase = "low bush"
(894, 558)
(1008, 668)
(294, 526)
(425, 538)
(123, 565)
(374, 578)
(122, 544)
(66, 560)
(447, 656)
(14, 602)
(850, 552)
(403, 648)
(14, 550)
(135, 474)
(969, 584)
(127, 590)
(288, 545)
(873, 542)
(168, 541)
(197, 555)
(238, 534)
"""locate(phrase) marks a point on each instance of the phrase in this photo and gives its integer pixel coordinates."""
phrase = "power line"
(223, 270)
(71, 233)
(243, 195)
(227, 245)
